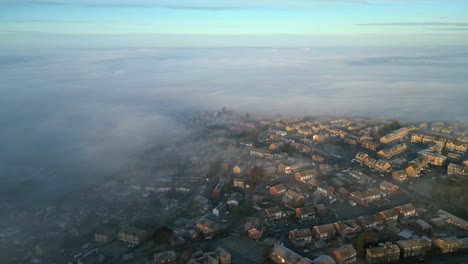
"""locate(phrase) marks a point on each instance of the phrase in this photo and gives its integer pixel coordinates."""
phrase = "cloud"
(411, 24)
(211, 5)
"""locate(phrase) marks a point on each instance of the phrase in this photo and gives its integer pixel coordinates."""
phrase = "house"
(400, 175)
(304, 176)
(453, 220)
(105, 235)
(254, 228)
(283, 255)
(383, 166)
(365, 197)
(386, 254)
(132, 236)
(393, 151)
(416, 166)
(370, 222)
(257, 153)
(323, 259)
(455, 169)
(325, 168)
(433, 158)
(291, 197)
(320, 209)
(300, 237)
(219, 210)
(278, 189)
(424, 226)
(344, 255)
(359, 176)
(91, 257)
(237, 169)
(370, 162)
(456, 146)
(406, 210)
(284, 169)
(389, 216)
(239, 182)
(223, 256)
(207, 227)
(234, 199)
(274, 213)
(388, 187)
(166, 257)
(217, 190)
(305, 213)
(414, 248)
(321, 187)
(417, 138)
(347, 228)
(324, 232)
(318, 159)
(370, 145)
(395, 135)
(447, 245)
(361, 157)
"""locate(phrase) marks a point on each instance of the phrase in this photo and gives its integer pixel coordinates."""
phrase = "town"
(250, 189)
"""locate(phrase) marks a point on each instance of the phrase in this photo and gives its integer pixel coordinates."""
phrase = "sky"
(89, 84)
(252, 22)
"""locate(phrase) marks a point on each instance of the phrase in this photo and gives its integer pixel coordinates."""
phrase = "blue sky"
(253, 22)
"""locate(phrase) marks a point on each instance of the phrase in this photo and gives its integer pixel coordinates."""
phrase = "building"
(300, 237)
(347, 228)
(324, 232)
(416, 166)
(234, 199)
(105, 235)
(370, 222)
(393, 151)
(284, 169)
(388, 187)
(278, 189)
(283, 255)
(386, 254)
(223, 256)
(304, 176)
(365, 197)
(359, 176)
(457, 146)
(166, 257)
(447, 245)
(383, 166)
(322, 187)
(323, 259)
(455, 169)
(219, 210)
(414, 248)
(305, 213)
(400, 176)
(254, 228)
(389, 216)
(417, 138)
(453, 220)
(291, 197)
(370, 145)
(370, 162)
(217, 190)
(132, 236)
(434, 159)
(406, 211)
(274, 213)
(361, 157)
(207, 227)
(344, 255)
(239, 182)
(395, 135)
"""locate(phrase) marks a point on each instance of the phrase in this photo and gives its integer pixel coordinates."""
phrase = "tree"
(255, 174)
(360, 244)
(236, 212)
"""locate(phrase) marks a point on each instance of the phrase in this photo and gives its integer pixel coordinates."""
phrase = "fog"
(82, 114)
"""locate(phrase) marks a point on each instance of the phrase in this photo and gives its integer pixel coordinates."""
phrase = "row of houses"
(395, 135)
(381, 165)
(453, 145)
(393, 151)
